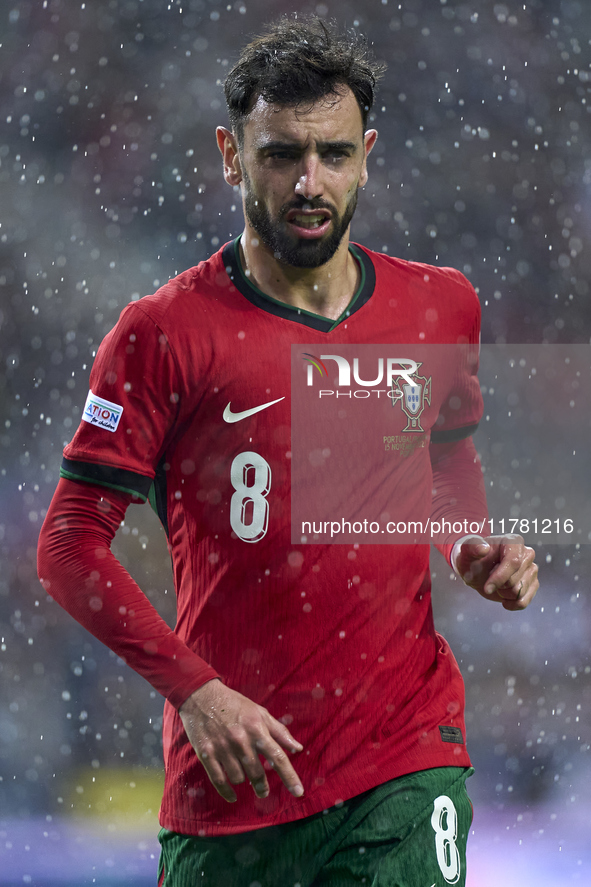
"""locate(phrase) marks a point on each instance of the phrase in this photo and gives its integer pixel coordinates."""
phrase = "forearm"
(458, 489)
(78, 569)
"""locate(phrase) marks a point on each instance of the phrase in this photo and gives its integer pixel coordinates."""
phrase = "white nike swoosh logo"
(229, 416)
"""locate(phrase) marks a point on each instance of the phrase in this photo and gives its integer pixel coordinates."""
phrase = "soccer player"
(313, 729)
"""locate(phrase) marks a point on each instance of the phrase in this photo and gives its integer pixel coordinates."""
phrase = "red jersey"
(337, 641)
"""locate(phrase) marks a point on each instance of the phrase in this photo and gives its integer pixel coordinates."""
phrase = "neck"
(326, 290)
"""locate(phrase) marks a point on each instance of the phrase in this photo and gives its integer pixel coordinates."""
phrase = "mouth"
(307, 224)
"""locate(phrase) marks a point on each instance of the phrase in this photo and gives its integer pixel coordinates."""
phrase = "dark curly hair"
(298, 61)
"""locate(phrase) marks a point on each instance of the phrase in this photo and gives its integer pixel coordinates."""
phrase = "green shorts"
(409, 832)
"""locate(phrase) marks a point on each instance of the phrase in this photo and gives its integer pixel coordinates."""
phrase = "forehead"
(332, 118)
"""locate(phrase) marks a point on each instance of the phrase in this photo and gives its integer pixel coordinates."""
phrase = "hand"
(229, 732)
(500, 568)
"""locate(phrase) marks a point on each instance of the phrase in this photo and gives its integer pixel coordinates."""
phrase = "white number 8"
(445, 825)
(249, 510)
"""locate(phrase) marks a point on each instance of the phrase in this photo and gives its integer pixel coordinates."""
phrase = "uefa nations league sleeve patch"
(101, 413)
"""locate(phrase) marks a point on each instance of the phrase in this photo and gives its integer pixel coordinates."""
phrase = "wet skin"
(299, 171)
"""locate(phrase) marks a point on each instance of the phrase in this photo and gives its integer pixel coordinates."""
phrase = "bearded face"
(299, 169)
(278, 235)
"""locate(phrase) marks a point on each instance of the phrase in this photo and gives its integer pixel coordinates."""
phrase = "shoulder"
(187, 294)
(178, 307)
(420, 272)
(419, 286)
(435, 304)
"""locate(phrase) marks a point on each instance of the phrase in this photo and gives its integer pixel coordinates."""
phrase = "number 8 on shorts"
(445, 825)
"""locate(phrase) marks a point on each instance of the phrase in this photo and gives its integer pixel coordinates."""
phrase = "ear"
(229, 150)
(369, 141)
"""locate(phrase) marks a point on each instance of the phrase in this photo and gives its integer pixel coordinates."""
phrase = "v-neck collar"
(233, 266)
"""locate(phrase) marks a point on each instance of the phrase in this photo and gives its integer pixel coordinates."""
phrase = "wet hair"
(298, 62)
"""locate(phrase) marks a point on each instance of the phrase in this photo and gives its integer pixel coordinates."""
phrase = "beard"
(287, 248)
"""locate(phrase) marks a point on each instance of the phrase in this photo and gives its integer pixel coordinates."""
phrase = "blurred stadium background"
(111, 183)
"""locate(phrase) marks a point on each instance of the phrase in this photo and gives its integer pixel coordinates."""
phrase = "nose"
(309, 184)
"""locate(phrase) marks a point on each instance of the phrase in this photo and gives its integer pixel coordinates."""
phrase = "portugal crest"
(412, 399)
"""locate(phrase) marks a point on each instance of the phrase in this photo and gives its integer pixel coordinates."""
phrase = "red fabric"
(336, 640)
(458, 491)
(77, 568)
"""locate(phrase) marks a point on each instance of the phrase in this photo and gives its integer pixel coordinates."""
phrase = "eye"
(335, 155)
(282, 155)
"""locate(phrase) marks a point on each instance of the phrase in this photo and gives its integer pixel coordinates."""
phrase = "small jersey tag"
(451, 734)
(101, 413)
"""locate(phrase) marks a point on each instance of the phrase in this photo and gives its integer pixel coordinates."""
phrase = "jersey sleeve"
(459, 498)
(77, 568)
(130, 410)
(461, 409)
